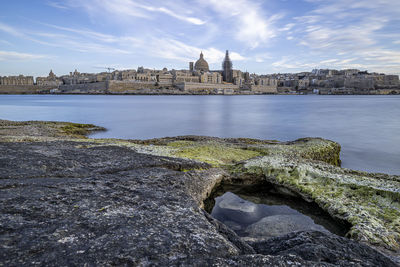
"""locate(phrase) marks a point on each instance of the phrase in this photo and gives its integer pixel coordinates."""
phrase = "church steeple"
(227, 68)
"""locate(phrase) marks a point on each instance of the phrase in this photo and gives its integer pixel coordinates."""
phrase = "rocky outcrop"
(67, 200)
(370, 202)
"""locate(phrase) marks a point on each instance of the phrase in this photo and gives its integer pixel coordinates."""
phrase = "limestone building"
(50, 80)
(201, 64)
(16, 80)
(211, 77)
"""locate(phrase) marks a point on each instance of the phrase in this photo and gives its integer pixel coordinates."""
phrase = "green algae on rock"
(369, 202)
(42, 130)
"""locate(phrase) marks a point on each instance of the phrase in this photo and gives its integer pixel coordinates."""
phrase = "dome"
(201, 64)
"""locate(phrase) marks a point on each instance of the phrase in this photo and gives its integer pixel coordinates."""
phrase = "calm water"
(270, 215)
(367, 127)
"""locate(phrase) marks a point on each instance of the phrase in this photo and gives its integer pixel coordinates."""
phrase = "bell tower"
(227, 68)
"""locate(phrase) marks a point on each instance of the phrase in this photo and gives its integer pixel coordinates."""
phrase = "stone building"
(201, 64)
(103, 76)
(128, 75)
(50, 80)
(144, 77)
(165, 78)
(386, 81)
(211, 77)
(79, 78)
(16, 80)
(181, 76)
(304, 83)
(227, 68)
(265, 85)
(359, 83)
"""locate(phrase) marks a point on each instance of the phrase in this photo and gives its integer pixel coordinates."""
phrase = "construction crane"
(107, 68)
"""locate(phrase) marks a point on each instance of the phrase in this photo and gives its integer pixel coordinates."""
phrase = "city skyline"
(262, 36)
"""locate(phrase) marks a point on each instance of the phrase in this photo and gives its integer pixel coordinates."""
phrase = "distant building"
(227, 68)
(16, 80)
(50, 80)
(201, 64)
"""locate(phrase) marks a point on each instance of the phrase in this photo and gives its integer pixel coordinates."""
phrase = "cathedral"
(201, 66)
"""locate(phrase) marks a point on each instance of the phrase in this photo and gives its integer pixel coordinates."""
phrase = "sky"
(263, 36)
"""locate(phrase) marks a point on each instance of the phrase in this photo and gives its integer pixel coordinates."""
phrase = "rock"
(100, 202)
(278, 225)
(368, 201)
(323, 247)
(230, 207)
(232, 202)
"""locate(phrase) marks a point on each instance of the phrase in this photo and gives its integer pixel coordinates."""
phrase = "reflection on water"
(367, 127)
(272, 216)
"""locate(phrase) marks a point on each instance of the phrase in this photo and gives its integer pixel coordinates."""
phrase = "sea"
(367, 127)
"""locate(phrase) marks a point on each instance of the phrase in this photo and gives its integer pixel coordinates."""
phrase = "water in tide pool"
(367, 127)
(272, 216)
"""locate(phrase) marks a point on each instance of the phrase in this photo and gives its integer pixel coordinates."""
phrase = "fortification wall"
(264, 89)
(187, 86)
(85, 88)
(24, 89)
(126, 87)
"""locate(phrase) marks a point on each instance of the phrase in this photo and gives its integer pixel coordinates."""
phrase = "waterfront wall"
(268, 89)
(85, 88)
(24, 89)
(188, 86)
(130, 86)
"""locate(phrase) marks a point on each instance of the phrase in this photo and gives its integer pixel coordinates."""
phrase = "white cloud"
(251, 25)
(130, 8)
(5, 42)
(56, 4)
(10, 30)
(352, 31)
(16, 56)
(175, 50)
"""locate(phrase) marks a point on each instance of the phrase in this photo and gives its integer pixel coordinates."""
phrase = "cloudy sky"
(263, 36)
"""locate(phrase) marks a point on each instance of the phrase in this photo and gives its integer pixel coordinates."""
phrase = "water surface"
(271, 215)
(367, 127)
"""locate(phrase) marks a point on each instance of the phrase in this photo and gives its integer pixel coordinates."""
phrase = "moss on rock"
(78, 130)
(215, 154)
(369, 203)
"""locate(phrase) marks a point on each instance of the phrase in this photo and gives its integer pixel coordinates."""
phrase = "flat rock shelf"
(69, 200)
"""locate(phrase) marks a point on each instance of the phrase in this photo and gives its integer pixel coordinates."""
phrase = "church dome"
(201, 64)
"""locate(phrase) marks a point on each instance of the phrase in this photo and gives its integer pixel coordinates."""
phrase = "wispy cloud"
(10, 30)
(57, 5)
(352, 31)
(130, 8)
(262, 35)
(16, 56)
(82, 41)
(251, 25)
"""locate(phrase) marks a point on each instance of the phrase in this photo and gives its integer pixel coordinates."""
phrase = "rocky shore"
(66, 199)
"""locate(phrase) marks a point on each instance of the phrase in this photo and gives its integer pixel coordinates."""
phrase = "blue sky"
(263, 36)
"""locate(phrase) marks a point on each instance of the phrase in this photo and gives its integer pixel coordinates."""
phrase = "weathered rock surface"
(370, 202)
(278, 225)
(322, 247)
(88, 202)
